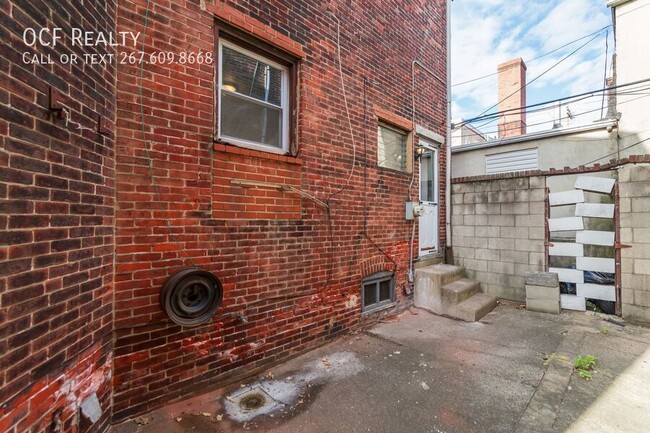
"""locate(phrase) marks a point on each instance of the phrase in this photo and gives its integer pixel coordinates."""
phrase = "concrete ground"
(510, 372)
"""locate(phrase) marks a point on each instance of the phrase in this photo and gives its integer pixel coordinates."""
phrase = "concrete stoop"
(443, 289)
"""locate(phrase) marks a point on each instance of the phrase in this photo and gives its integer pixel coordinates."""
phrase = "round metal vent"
(191, 296)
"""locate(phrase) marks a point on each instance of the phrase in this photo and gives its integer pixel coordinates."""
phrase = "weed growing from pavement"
(584, 366)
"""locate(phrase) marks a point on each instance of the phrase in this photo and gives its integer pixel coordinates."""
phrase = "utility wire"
(540, 75)
(536, 58)
(602, 107)
(146, 143)
(618, 151)
(567, 98)
(574, 115)
(347, 110)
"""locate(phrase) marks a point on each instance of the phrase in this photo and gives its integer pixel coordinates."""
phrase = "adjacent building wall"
(56, 219)
(632, 64)
(291, 270)
(569, 147)
(634, 192)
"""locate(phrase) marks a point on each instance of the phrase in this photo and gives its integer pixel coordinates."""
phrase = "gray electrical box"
(413, 210)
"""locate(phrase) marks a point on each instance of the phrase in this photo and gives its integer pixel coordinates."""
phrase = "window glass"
(427, 177)
(250, 121)
(377, 290)
(384, 290)
(369, 294)
(391, 150)
(253, 102)
(248, 76)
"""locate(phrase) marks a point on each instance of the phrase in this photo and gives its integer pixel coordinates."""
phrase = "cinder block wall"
(498, 231)
(634, 198)
(293, 270)
(56, 218)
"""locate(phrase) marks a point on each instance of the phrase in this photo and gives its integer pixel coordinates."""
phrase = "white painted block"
(595, 210)
(566, 249)
(591, 237)
(564, 224)
(596, 291)
(596, 184)
(573, 302)
(569, 275)
(566, 197)
(596, 264)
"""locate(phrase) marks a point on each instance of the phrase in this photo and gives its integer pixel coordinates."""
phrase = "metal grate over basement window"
(377, 291)
(516, 160)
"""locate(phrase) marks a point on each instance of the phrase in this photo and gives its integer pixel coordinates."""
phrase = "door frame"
(432, 148)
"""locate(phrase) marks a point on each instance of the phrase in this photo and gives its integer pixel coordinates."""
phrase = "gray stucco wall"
(498, 232)
(570, 150)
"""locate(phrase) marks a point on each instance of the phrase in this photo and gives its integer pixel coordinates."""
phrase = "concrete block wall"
(634, 193)
(498, 232)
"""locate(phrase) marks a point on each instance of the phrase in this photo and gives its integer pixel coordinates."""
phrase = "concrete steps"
(443, 289)
(460, 290)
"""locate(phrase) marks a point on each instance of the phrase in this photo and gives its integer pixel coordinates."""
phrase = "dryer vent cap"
(191, 296)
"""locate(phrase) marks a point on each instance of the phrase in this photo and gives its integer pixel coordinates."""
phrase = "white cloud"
(487, 33)
(568, 20)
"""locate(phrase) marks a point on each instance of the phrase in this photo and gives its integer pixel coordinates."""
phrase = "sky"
(485, 33)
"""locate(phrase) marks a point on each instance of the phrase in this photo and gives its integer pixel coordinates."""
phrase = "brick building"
(271, 145)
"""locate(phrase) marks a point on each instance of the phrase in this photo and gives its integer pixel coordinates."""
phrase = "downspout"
(449, 257)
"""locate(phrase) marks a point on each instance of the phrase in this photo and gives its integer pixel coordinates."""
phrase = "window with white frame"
(254, 98)
(392, 147)
(377, 291)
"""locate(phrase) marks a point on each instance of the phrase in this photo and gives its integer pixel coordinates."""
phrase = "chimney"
(512, 96)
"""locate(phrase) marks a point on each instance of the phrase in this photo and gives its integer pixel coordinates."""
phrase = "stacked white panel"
(565, 224)
(597, 291)
(591, 237)
(596, 264)
(569, 275)
(566, 249)
(566, 197)
(573, 302)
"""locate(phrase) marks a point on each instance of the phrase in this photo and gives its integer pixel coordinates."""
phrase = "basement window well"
(377, 291)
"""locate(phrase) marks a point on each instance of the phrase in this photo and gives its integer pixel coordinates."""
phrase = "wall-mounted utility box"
(413, 210)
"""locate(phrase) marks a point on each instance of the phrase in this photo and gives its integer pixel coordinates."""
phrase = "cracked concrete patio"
(509, 372)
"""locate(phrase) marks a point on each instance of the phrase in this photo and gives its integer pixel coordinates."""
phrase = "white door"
(428, 222)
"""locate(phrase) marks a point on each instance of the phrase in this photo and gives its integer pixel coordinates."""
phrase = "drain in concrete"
(286, 395)
(247, 403)
(252, 401)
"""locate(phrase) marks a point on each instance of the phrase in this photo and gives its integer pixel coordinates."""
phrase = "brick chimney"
(512, 95)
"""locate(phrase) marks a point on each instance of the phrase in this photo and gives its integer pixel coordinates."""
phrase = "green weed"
(584, 365)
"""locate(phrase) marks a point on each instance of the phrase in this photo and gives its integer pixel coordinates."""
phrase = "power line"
(578, 114)
(541, 75)
(618, 151)
(536, 58)
(566, 98)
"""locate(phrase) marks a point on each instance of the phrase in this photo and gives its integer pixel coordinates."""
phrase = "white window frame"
(285, 108)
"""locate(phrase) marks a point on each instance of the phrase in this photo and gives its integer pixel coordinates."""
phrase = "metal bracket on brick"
(55, 104)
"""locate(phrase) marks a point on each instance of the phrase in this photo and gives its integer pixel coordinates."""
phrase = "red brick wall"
(56, 220)
(238, 201)
(291, 268)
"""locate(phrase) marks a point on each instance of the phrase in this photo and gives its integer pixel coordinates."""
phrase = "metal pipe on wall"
(448, 147)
